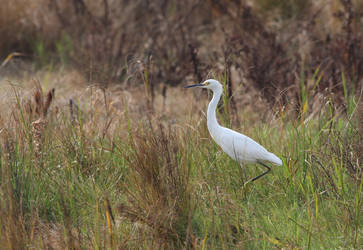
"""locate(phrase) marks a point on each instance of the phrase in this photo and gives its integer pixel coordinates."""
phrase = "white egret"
(239, 147)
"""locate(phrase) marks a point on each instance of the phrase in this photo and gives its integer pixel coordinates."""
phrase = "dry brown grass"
(264, 44)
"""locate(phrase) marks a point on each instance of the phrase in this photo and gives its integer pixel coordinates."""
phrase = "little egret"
(239, 147)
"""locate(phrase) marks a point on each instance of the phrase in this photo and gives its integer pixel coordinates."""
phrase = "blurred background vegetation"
(101, 148)
(263, 43)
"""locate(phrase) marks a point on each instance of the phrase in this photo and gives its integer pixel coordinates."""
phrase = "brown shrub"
(267, 44)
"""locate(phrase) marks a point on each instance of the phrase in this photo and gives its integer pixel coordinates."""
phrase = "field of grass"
(97, 168)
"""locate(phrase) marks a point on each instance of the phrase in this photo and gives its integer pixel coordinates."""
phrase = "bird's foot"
(247, 184)
(246, 187)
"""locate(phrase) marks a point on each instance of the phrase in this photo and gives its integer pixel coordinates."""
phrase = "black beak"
(194, 85)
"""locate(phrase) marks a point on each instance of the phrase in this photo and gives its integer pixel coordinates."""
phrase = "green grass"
(170, 186)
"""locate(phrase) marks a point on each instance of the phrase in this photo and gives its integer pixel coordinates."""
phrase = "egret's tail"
(274, 159)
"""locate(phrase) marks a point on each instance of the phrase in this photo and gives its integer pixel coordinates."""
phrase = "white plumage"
(239, 147)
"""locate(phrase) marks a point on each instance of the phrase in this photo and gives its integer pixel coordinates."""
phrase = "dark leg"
(257, 177)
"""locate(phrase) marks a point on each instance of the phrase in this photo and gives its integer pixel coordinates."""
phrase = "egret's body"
(239, 147)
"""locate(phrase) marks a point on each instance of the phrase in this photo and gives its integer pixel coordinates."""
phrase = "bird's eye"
(206, 83)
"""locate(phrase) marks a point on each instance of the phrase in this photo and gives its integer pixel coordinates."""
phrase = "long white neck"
(211, 113)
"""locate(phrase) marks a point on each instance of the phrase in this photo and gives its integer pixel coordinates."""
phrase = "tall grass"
(68, 181)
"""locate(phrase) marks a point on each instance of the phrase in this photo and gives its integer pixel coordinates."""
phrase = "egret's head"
(211, 84)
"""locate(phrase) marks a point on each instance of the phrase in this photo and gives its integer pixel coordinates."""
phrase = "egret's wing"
(242, 148)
